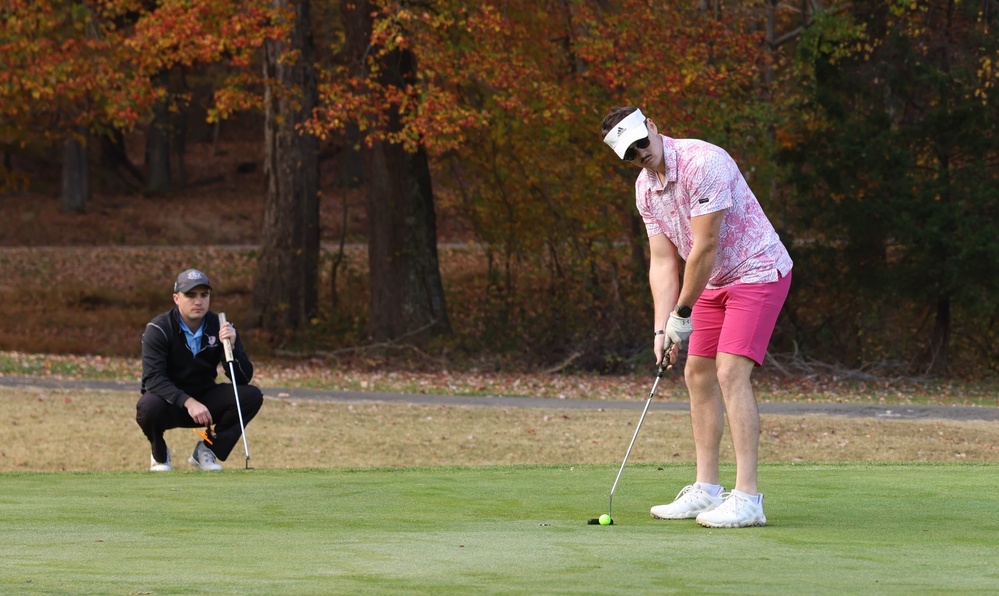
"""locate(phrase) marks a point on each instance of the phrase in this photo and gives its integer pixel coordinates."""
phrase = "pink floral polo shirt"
(702, 178)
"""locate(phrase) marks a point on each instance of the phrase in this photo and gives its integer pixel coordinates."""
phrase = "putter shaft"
(648, 402)
(239, 410)
(227, 345)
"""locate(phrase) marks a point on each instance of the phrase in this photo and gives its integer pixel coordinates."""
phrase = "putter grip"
(225, 342)
(665, 362)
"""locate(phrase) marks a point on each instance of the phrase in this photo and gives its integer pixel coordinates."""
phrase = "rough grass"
(62, 430)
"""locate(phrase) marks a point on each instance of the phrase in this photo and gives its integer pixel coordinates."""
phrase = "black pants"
(156, 415)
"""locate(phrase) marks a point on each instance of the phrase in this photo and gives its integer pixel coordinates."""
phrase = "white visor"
(626, 132)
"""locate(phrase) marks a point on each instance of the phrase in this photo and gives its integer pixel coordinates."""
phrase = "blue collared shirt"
(193, 337)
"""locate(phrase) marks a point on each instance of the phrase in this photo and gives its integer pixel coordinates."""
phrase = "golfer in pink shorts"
(697, 207)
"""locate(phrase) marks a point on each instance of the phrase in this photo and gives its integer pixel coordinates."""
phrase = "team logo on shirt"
(211, 340)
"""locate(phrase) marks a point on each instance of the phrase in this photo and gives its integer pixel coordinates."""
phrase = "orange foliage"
(508, 102)
(89, 64)
(512, 94)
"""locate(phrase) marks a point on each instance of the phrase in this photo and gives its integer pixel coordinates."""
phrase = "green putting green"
(834, 528)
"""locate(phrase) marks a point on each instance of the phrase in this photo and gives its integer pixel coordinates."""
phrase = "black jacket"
(170, 370)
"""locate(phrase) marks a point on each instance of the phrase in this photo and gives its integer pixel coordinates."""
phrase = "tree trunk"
(407, 294)
(938, 354)
(75, 174)
(285, 291)
(115, 158)
(351, 160)
(178, 133)
(707, 6)
(158, 179)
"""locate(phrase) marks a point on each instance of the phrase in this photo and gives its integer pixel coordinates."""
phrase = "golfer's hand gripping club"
(226, 343)
(678, 329)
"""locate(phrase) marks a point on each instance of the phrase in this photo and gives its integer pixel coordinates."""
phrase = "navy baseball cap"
(190, 279)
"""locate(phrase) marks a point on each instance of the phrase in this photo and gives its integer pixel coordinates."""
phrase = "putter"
(227, 344)
(659, 374)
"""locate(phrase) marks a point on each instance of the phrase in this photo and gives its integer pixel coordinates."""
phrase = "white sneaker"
(736, 512)
(155, 466)
(203, 458)
(689, 502)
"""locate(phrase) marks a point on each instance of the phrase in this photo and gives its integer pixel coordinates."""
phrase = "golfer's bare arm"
(701, 260)
(664, 277)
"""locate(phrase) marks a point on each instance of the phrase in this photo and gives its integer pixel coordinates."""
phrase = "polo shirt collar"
(193, 337)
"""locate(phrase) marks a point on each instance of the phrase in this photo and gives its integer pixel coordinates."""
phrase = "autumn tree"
(285, 291)
(507, 100)
(170, 37)
(488, 110)
(159, 131)
(895, 155)
(407, 295)
(76, 70)
(60, 81)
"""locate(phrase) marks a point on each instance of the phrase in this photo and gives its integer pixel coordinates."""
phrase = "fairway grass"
(834, 528)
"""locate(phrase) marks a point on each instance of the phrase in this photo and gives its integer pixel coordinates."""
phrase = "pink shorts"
(738, 319)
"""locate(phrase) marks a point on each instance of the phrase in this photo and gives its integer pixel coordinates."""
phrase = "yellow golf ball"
(605, 520)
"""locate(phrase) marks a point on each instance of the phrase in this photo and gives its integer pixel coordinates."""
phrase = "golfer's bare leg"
(743, 417)
(707, 415)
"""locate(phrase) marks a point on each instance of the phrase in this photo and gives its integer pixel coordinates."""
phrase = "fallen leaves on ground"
(375, 376)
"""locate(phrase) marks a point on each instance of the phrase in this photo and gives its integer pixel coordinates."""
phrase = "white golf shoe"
(691, 501)
(155, 466)
(736, 512)
(203, 458)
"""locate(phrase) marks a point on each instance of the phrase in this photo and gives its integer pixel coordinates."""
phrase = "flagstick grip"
(227, 344)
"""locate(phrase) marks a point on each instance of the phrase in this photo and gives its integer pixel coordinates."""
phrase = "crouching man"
(181, 351)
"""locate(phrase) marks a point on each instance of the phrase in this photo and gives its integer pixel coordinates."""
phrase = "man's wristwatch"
(683, 311)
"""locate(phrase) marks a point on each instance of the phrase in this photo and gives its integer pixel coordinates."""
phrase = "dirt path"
(889, 411)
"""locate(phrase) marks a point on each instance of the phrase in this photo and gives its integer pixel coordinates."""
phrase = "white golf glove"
(678, 329)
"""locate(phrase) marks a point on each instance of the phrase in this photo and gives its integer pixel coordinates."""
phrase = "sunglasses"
(631, 153)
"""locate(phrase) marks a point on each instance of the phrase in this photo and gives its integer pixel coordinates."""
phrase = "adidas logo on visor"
(621, 130)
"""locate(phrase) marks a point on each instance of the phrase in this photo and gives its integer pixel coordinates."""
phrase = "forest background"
(426, 180)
